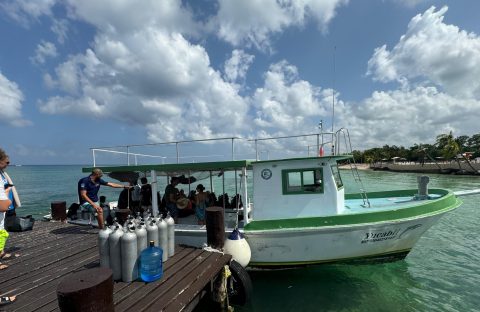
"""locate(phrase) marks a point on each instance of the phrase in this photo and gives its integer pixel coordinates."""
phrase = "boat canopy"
(198, 170)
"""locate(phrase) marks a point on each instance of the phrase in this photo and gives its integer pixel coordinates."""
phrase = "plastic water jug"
(151, 267)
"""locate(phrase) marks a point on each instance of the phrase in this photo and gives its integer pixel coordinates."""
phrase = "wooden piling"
(214, 219)
(87, 290)
(59, 210)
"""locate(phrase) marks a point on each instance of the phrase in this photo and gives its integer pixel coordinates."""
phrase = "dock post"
(87, 290)
(59, 210)
(214, 219)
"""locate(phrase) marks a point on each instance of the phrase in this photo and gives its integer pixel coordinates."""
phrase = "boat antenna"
(333, 100)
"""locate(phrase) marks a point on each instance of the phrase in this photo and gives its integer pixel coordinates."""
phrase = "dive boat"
(294, 211)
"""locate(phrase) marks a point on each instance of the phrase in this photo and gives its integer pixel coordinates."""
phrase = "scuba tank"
(103, 247)
(129, 255)
(115, 253)
(152, 232)
(163, 237)
(171, 235)
(142, 240)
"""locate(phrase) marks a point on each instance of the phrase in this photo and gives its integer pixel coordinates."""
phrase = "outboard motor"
(129, 255)
(171, 235)
(115, 253)
(163, 237)
(104, 247)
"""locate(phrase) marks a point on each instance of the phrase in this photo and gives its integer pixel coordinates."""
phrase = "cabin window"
(302, 181)
(336, 176)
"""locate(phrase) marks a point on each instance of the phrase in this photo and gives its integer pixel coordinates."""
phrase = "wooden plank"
(53, 250)
(142, 293)
(196, 284)
(158, 300)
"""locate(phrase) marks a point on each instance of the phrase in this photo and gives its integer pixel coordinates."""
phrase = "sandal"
(7, 300)
(5, 255)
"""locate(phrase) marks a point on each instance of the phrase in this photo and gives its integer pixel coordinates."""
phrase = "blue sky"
(76, 74)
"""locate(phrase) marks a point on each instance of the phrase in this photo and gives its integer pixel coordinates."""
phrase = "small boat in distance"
(294, 211)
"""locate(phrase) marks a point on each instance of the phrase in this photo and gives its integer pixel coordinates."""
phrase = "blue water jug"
(151, 267)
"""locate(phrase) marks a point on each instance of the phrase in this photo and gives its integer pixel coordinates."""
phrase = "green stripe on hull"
(422, 208)
(340, 260)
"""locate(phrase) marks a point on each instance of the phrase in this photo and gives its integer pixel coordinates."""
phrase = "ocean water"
(441, 273)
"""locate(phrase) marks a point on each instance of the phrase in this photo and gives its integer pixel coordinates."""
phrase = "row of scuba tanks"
(132, 249)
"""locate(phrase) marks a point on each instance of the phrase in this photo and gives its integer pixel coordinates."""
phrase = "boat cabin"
(297, 188)
(282, 188)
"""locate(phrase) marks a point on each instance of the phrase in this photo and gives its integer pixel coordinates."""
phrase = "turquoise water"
(440, 274)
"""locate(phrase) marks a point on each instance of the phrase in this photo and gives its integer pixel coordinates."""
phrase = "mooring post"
(214, 219)
(87, 290)
(59, 210)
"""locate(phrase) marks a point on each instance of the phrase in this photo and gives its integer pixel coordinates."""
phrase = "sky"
(76, 74)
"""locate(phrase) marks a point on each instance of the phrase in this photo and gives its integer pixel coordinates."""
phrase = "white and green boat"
(295, 210)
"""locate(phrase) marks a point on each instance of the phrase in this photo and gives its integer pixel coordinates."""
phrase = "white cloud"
(152, 78)
(237, 65)
(43, 51)
(122, 17)
(60, 29)
(251, 22)
(11, 103)
(411, 3)
(23, 11)
(287, 104)
(406, 117)
(432, 52)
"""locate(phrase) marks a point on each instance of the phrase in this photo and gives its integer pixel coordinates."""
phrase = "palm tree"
(449, 147)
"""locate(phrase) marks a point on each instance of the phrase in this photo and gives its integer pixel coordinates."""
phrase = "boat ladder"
(343, 133)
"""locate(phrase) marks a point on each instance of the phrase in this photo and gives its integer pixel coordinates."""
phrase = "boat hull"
(383, 234)
(337, 244)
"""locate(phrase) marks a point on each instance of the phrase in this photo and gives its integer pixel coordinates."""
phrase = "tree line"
(446, 147)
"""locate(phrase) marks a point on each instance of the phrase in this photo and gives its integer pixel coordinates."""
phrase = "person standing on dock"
(88, 188)
(6, 180)
(5, 204)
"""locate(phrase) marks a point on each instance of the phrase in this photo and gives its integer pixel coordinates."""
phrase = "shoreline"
(439, 168)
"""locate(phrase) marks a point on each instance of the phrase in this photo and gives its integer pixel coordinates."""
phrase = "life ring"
(240, 286)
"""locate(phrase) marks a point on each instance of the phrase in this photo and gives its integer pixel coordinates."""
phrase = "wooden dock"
(53, 250)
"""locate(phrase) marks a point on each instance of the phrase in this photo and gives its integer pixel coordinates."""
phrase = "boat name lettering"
(371, 237)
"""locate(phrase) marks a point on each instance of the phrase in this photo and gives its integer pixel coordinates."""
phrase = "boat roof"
(183, 168)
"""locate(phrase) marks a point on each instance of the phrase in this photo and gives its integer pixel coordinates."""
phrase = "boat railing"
(319, 147)
(235, 143)
(127, 150)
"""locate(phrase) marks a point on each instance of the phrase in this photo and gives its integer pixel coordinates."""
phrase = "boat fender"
(115, 253)
(240, 286)
(152, 232)
(142, 240)
(163, 238)
(129, 255)
(237, 246)
(103, 247)
(170, 235)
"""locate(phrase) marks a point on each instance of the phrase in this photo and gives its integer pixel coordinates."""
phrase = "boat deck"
(53, 250)
(384, 203)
